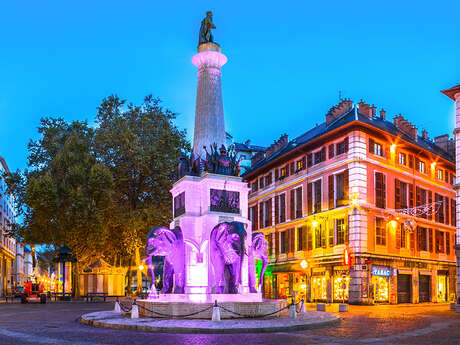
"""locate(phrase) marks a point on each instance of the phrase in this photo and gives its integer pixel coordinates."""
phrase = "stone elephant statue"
(227, 250)
(162, 241)
(257, 250)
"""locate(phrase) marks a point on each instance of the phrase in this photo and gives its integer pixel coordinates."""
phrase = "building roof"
(350, 116)
(246, 147)
(452, 92)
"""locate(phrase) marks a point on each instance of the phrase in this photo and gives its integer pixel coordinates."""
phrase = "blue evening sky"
(287, 61)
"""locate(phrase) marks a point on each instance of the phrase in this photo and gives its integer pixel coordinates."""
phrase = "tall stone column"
(454, 94)
(209, 112)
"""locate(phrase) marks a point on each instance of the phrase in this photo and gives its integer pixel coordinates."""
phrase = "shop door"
(404, 288)
(424, 288)
(442, 288)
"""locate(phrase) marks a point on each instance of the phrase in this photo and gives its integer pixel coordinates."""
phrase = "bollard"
(215, 312)
(117, 308)
(303, 310)
(134, 311)
(292, 312)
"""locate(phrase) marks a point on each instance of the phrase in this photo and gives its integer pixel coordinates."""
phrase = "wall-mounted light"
(304, 264)
(393, 148)
(314, 223)
(393, 223)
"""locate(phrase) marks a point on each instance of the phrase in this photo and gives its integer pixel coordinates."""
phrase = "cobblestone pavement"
(57, 323)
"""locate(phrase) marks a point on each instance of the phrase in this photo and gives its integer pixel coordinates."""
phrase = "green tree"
(65, 194)
(140, 145)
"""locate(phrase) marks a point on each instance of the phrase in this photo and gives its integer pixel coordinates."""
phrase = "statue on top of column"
(205, 30)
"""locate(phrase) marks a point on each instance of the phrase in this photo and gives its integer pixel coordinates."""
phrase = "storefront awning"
(286, 268)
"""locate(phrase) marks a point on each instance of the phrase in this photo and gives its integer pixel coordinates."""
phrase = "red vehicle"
(33, 292)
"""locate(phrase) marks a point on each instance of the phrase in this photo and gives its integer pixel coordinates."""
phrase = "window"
(179, 204)
(268, 238)
(280, 208)
(402, 159)
(339, 187)
(300, 165)
(400, 194)
(283, 241)
(422, 167)
(380, 193)
(341, 232)
(261, 183)
(340, 148)
(422, 238)
(319, 237)
(254, 218)
(440, 175)
(380, 231)
(439, 216)
(439, 242)
(268, 179)
(300, 238)
(317, 196)
(403, 235)
(267, 213)
(320, 156)
(254, 186)
(309, 239)
(298, 202)
(283, 172)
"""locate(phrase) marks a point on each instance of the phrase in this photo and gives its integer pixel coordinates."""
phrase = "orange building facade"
(357, 209)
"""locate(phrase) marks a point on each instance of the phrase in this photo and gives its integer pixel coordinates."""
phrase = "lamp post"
(64, 260)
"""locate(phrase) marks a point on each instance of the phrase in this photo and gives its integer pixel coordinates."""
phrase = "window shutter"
(309, 160)
(304, 162)
(345, 142)
(411, 195)
(323, 154)
(286, 241)
(331, 151)
(412, 241)
(277, 243)
(398, 236)
(430, 201)
(309, 198)
(298, 211)
(387, 152)
(419, 238)
(323, 235)
(346, 194)
(411, 161)
(287, 170)
(256, 218)
(371, 145)
(270, 212)
(447, 243)
(417, 163)
(304, 238)
(261, 215)
(277, 174)
(292, 206)
(397, 195)
(292, 240)
(418, 196)
(453, 220)
(292, 168)
(430, 240)
(277, 209)
(331, 191)
(446, 210)
(283, 208)
(380, 200)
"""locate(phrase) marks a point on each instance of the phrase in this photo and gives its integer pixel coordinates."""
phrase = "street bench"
(91, 296)
(63, 296)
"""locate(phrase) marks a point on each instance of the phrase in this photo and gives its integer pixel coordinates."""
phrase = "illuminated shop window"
(319, 288)
(381, 288)
(341, 285)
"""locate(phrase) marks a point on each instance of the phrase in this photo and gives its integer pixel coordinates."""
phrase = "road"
(57, 323)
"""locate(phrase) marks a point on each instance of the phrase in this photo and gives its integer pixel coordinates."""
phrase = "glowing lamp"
(314, 223)
(346, 257)
(393, 148)
(393, 223)
(304, 264)
(433, 166)
(141, 267)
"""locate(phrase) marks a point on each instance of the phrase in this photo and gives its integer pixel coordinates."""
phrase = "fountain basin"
(182, 306)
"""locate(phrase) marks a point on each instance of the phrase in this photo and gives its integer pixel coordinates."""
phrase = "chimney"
(373, 110)
(405, 126)
(257, 158)
(383, 114)
(277, 145)
(442, 141)
(365, 109)
(338, 110)
(425, 135)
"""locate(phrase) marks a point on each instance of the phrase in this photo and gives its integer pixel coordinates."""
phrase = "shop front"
(404, 288)
(424, 287)
(319, 282)
(341, 283)
(381, 284)
(442, 286)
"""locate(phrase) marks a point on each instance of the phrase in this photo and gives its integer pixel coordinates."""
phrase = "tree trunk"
(139, 272)
(130, 275)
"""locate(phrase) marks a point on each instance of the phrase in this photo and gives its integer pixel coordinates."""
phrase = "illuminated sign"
(381, 271)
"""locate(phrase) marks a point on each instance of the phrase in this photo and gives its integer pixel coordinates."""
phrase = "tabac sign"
(381, 271)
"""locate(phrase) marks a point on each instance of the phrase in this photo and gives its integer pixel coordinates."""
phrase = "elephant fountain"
(257, 250)
(162, 241)
(227, 250)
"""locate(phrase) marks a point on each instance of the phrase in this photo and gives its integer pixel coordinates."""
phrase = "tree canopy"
(99, 190)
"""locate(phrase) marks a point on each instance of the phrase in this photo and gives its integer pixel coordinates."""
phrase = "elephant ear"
(222, 233)
(168, 235)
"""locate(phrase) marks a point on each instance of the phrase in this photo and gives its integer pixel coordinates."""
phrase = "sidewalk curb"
(215, 330)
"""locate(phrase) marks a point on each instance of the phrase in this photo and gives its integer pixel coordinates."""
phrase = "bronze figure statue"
(205, 30)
